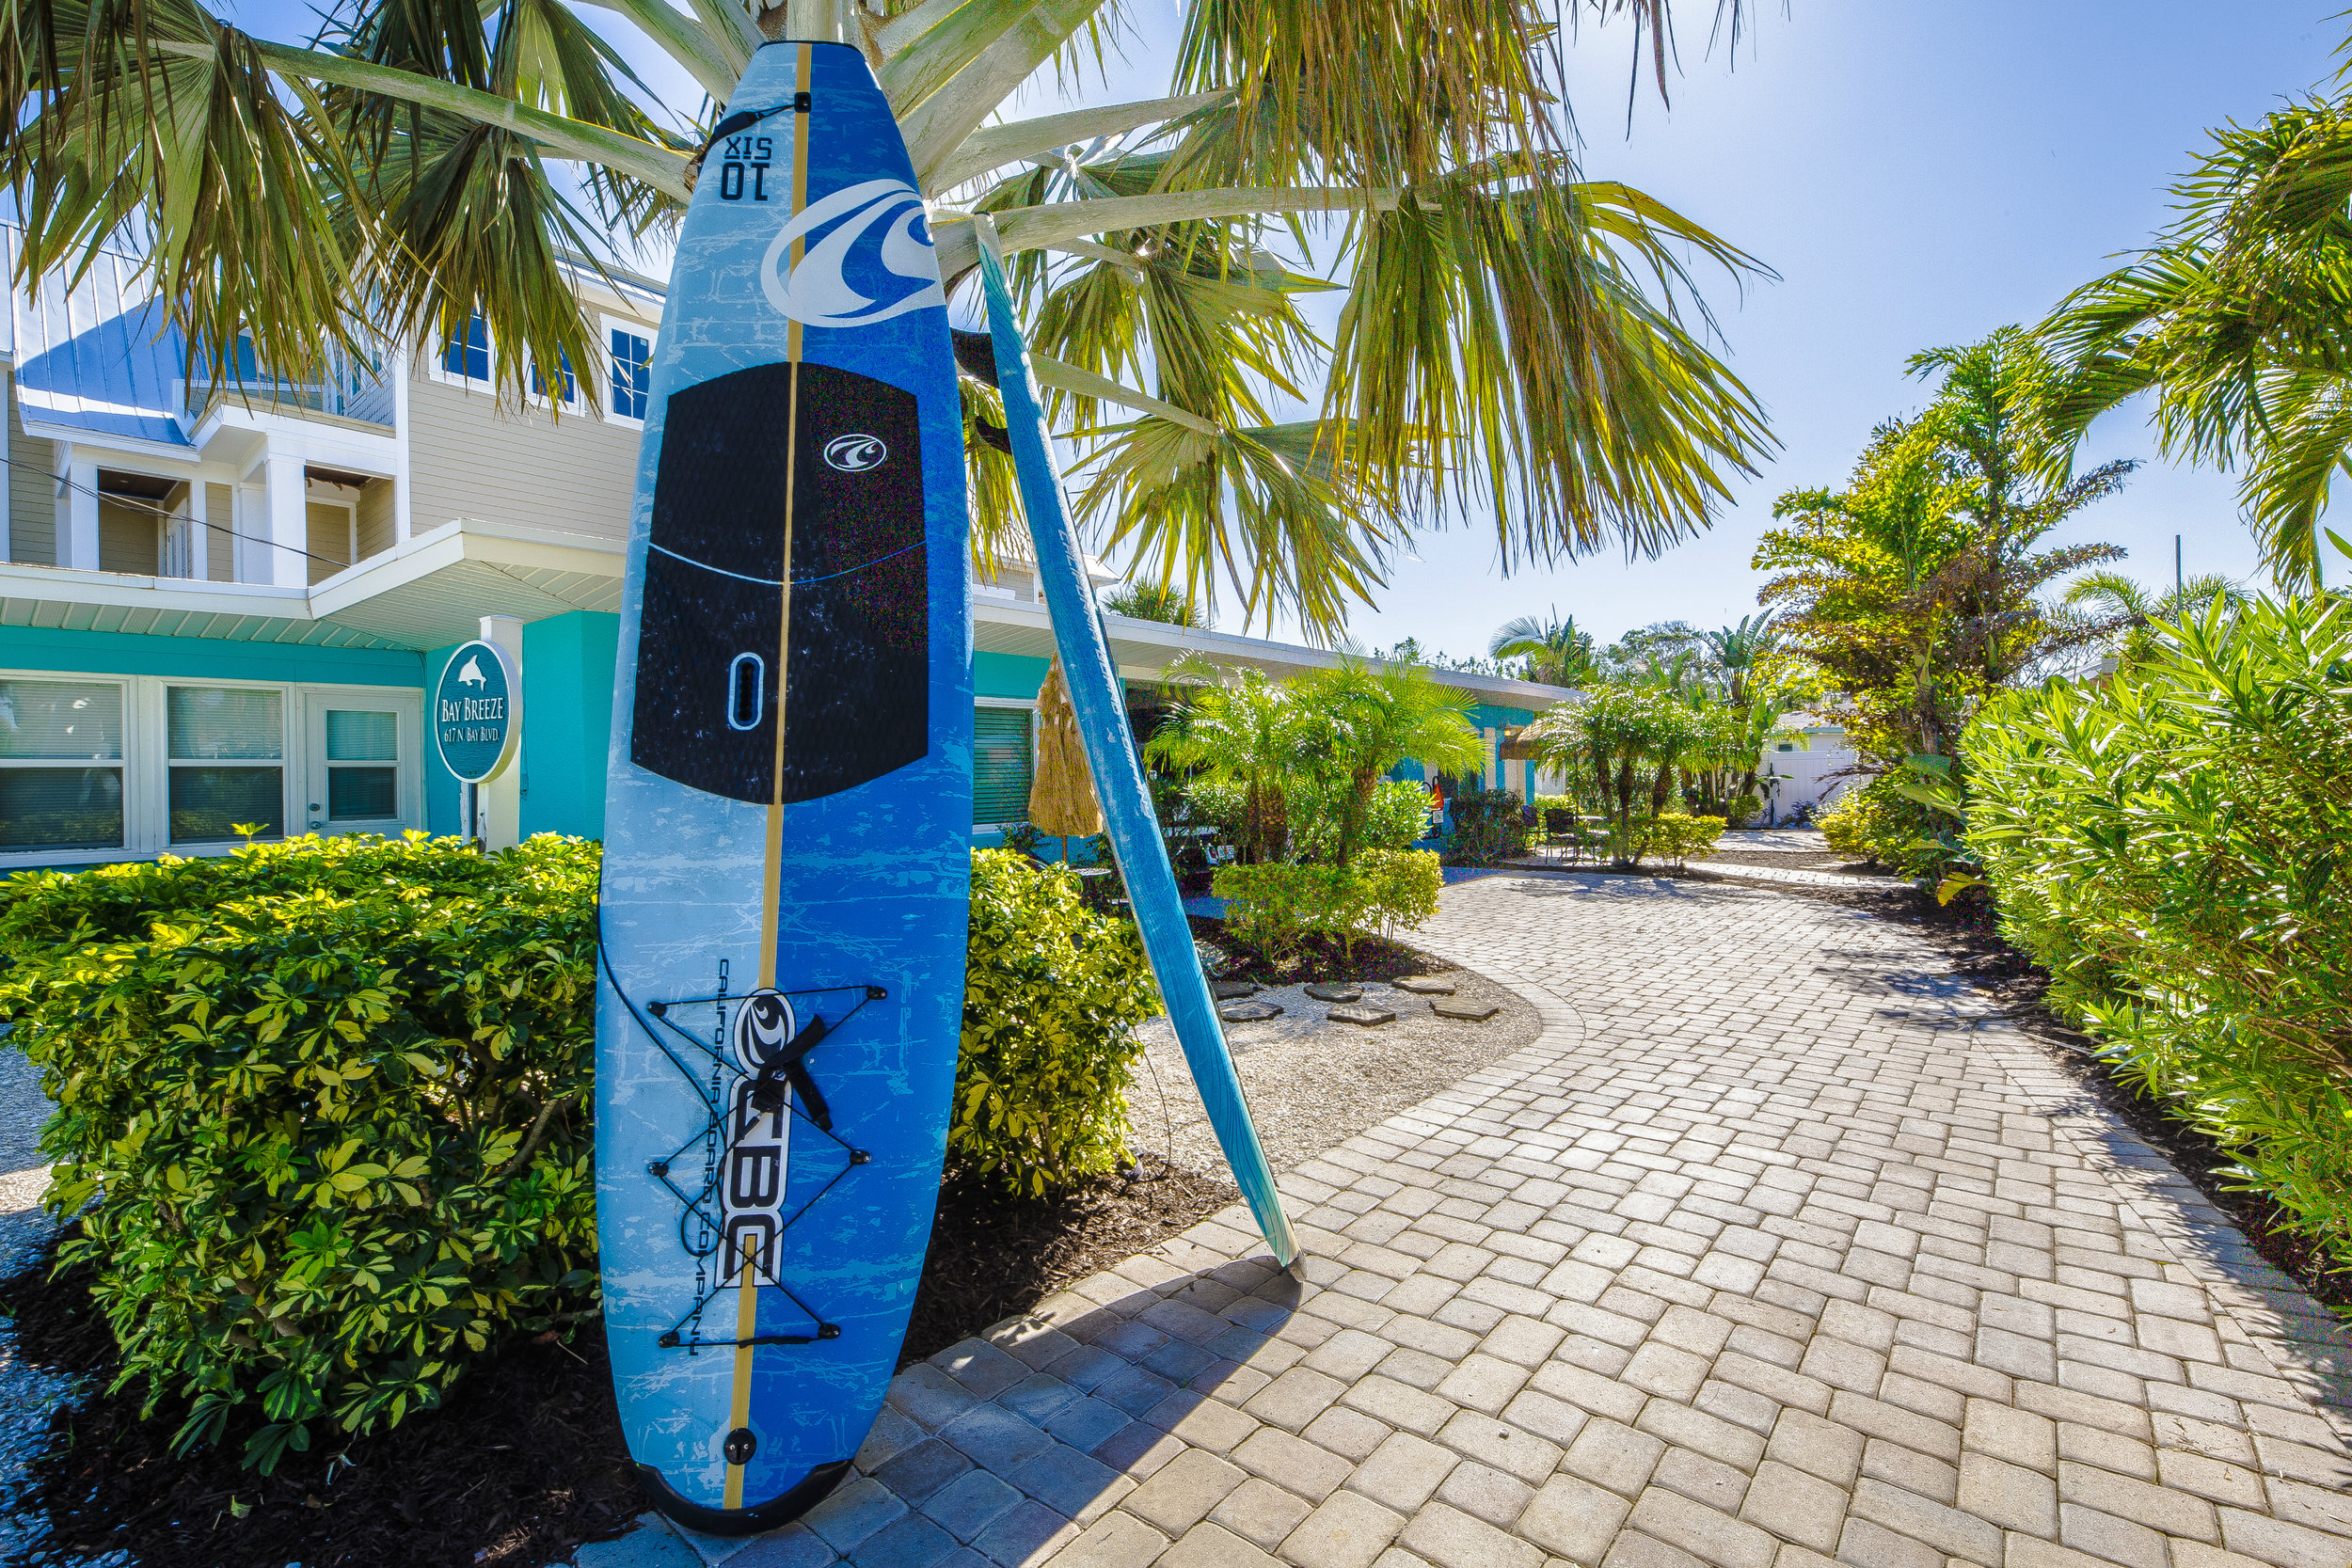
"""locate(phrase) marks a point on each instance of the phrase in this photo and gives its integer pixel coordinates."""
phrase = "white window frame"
(1029, 704)
(543, 401)
(436, 362)
(605, 326)
(147, 762)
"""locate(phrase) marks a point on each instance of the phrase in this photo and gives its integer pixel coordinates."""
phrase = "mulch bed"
(1966, 931)
(1318, 959)
(525, 1462)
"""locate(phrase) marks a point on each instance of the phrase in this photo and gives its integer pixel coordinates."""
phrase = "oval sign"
(474, 712)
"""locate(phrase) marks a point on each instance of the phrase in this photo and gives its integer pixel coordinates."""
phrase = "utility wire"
(65, 483)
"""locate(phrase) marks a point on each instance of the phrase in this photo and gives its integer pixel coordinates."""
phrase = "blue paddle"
(1110, 748)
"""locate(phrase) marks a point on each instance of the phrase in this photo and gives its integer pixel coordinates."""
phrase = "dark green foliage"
(332, 1101)
(1490, 825)
(1052, 992)
(2172, 846)
(1276, 908)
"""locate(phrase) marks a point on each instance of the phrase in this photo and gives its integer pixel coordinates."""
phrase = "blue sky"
(1918, 174)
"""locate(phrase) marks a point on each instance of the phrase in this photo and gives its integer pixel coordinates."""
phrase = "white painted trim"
(437, 364)
(605, 326)
(1030, 704)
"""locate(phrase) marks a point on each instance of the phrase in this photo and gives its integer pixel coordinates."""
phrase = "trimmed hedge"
(333, 1101)
(1274, 908)
(1052, 992)
(2172, 846)
(1676, 836)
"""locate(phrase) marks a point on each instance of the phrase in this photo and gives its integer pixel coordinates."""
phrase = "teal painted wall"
(567, 722)
(114, 653)
(567, 727)
(1007, 675)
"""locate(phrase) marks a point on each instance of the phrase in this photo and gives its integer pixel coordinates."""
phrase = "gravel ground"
(1313, 1083)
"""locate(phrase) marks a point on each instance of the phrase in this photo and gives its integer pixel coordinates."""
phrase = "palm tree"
(1515, 339)
(2240, 320)
(1375, 720)
(2121, 605)
(1244, 730)
(1150, 601)
(1556, 651)
(1739, 649)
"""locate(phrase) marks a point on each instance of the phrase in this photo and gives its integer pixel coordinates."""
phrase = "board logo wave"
(816, 290)
(855, 453)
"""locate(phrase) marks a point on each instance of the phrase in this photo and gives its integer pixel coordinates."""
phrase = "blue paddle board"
(787, 812)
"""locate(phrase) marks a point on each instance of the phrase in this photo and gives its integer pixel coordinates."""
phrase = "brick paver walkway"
(1773, 1250)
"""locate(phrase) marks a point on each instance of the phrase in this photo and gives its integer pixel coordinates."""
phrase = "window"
(567, 384)
(1004, 761)
(1785, 746)
(60, 764)
(632, 370)
(467, 354)
(362, 764)
(227, 751)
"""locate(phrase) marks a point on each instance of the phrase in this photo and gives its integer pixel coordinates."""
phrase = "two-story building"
(222, 606)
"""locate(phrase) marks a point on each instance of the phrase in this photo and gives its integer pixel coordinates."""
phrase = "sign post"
(474, 721)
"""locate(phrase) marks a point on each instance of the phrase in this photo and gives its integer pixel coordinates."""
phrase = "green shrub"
(1676, 837)
(2171, 848)
(1052, 995)
(1877, 822)
(332, 1101)
(1741, 809)
(1397, 818)
(1490, 825)
(1274, 908)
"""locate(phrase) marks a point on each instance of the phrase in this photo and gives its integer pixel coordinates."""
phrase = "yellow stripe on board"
(771, 879)
(746, 1315)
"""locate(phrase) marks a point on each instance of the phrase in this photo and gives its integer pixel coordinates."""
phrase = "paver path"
(1774, 1249)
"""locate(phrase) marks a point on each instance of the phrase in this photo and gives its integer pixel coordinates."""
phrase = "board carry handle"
(1110, 750)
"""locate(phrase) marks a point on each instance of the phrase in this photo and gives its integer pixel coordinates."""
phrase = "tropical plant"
(1370, 720)
(1554, 652)
(2170, 846)
(2240, 319)
(2120, 602)
(1516, 340)
(1629, 740)
(1737, 652)
(1152, 601)
(1913, 589)
(1242, 730)
(1052, 992)
(1274, 908)
(1489, 825)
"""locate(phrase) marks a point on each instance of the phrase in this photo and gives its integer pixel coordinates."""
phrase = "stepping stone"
(1425, 985)
(1468, 1012)
(1361, 1013)
(1248, 1012)
(1232, 990)
(1341, 993)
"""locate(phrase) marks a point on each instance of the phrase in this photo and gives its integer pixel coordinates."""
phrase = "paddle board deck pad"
(787, 810)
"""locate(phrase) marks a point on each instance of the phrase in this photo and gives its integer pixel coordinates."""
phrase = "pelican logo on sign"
(816, 290)
(854, 454)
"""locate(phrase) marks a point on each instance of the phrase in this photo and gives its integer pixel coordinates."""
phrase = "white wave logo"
(815, 292)
(854, 454)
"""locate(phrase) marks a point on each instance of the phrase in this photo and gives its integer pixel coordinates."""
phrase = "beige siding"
(375, 517)
(32, 493)
(468, 458)
(127, 539)
(220, 556)
(329, 539)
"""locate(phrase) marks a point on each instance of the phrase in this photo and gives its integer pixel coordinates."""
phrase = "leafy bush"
(1274, 908)
(1052, 995)
(2172, 846)
(1490, 825)
(1877, 822)
(1397, 818)
(332, 1101)
(1741, 809)
(1675, 836)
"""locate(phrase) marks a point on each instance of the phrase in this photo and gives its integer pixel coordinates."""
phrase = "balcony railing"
(354, 389)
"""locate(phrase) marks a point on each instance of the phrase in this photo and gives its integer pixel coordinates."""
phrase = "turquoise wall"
(1007, 675)
(567, 727)
(567, 722)
(114, 653)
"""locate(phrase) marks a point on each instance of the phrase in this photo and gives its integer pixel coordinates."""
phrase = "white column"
(398, 366)
(289, 523)
(77, 508)
(500, 800)
(200, 528)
